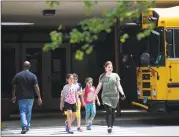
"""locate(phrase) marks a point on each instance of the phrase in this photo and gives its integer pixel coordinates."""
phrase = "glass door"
(10, 66)
(33, 53)
(56, 79)
(50, 69)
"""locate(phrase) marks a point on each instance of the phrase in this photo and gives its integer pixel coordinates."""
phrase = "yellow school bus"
(158, 72)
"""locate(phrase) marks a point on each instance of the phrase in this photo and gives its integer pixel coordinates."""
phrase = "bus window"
(169, 40)
(156, 47)
(176, 41)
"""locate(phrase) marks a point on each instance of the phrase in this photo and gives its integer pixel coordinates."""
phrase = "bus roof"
(169, 15)
(172, 12)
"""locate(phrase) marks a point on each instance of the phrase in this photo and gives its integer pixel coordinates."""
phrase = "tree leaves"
(60, 27)
(52, 4)
(90, 28)
(89, 50)
(56, 41)
(124, 37)
(79, 55)
(146, 32)
(89, 5)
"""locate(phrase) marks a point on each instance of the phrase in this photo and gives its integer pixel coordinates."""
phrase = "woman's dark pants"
(110, 115)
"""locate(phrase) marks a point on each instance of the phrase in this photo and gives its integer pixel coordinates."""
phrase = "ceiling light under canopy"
(16, 23)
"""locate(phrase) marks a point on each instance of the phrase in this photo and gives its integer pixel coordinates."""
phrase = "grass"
(3, 126)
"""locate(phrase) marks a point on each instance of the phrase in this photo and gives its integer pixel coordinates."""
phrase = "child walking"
(69, 101)
(89, 101)
(78, 111)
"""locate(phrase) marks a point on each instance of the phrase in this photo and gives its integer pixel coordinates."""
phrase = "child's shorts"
(71, 107)
(78, 110)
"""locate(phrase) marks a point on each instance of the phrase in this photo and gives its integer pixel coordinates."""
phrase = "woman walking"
(110, 84)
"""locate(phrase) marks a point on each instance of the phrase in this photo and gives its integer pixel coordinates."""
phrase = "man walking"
(24, 83)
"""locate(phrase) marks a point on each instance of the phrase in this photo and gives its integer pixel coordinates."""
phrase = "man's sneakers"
(109, 130)
(28, 129)
(24, 130)
(89, 126)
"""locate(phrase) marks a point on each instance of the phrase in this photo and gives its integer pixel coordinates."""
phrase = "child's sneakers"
(89, 126)
(79, 129)
(69, 131)
(66, 125)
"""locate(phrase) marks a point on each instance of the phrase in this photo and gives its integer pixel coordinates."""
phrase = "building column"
(117, 51)
(116, 45)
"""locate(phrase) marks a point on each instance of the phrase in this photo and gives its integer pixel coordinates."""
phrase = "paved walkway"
(53, 128)
(125, 126)
(59, 131)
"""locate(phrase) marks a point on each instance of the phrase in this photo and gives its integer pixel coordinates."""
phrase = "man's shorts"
(71, 107)
(78, 109)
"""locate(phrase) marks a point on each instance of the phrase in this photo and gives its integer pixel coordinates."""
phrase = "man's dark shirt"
(25, 81)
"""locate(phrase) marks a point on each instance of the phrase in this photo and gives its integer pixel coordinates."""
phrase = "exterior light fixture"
(16, 23)
(48, 12)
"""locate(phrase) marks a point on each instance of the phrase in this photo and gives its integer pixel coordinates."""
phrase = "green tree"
(91, 27)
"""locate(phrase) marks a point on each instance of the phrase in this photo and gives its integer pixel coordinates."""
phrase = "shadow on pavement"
(146, 120)
(59, 115)
(128, 119)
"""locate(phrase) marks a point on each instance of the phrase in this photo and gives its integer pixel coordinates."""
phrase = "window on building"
(176, 42)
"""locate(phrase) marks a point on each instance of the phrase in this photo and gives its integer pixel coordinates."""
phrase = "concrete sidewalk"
(46, 119)
(99, 114)
(57, 118)
(53, 125)
(125, 115)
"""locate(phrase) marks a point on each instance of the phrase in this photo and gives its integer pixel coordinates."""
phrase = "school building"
(24, 41)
